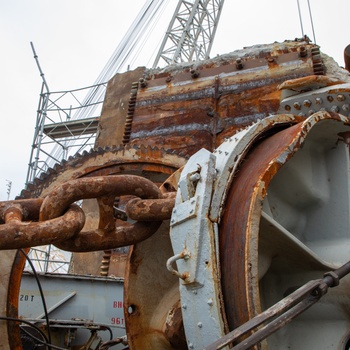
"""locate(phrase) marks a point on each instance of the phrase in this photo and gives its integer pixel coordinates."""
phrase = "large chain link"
(57, 220)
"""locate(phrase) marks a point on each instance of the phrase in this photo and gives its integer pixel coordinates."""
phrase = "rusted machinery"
(230, 182)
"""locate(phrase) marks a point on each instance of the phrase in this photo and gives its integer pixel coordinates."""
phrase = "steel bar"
(288, 308)
(265, 316)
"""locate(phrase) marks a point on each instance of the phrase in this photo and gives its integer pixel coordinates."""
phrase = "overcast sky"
(75, 38)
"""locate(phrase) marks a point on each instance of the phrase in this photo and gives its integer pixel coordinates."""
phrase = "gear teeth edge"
(34, 189)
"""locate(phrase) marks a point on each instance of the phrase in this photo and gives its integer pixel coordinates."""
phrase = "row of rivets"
(318, 101)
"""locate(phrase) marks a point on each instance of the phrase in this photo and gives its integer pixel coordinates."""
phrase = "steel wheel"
(286, 221)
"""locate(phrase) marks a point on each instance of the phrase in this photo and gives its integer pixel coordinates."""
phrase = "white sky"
(75, 38)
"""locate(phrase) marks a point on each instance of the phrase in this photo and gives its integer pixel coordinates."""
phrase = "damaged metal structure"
(230, 182)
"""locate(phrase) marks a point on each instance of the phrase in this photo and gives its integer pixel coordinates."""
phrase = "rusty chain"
(57, 220)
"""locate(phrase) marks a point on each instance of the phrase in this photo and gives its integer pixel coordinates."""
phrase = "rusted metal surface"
(88, 241)
(150, 210)
(11, 266)
(107, 236)
(151, 293)
(240, 225)
(29, 208)
(130, 113)
(6, 262)
(16, 234)
(107, 187)
(230, 154)
(115, 108)
(181, 109)
(308, 83)
(183, 113)
(174, 329)
(59, 224)
(239, 281)
(151, 162)
(347, 57)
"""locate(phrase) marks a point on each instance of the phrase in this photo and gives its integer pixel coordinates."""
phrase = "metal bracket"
(202, 190)
(335, 98)
(194, 240)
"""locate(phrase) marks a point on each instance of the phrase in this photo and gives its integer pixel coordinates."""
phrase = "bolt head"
(340, 98)
(335, 109)
(346, 107)
(296, 105)
(307, 103)
(239, 63)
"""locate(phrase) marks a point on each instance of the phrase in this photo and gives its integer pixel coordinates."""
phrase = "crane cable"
(140, 27)
(311, 20)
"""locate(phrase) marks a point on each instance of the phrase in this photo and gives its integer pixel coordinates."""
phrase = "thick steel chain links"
(57, 220)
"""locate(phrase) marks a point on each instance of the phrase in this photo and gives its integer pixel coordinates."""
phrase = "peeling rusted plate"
(185, 114)
(115, 106)
(240, 225)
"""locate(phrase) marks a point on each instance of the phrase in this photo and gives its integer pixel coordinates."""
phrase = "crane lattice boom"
(191, 32)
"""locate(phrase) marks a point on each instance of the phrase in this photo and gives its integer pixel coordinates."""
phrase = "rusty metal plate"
(182, 111)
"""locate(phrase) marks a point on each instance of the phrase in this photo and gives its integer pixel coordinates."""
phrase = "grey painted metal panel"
(72, 298)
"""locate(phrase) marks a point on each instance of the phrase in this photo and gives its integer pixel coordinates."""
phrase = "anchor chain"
(57, 220)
